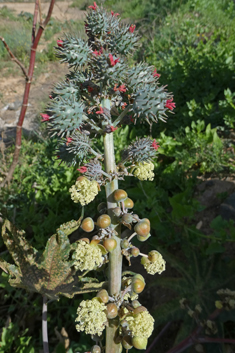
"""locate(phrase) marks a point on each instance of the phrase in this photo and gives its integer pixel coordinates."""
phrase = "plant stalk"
(44, 326)
(115, 257)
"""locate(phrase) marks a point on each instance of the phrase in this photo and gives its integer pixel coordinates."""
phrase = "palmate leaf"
(50, 273)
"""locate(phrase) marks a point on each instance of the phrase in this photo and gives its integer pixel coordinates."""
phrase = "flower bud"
(140, 238)
(102, 208)
(117, 211)
(135, 304)
(146, 220)
(119, 195)
(125, 244)
(103, 295)
(103, 221)
(95, 349)
(128, 203)
(127, 218)
(88, 225)
(111, 310)
(137, 285)
(142, 228)
(139, 309)
(127, 342)
(135, 251)
(139, 342)
(135, 218)
(110, 244)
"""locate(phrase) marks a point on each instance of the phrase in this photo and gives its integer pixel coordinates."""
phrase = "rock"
(227, 208)
(15, 105)
(210, 190)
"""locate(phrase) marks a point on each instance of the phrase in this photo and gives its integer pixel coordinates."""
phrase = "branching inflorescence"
(100, 94)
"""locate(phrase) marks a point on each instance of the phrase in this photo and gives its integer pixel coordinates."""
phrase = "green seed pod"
(95, 349)
(135, 251)
(128, 203)
(142, 228)
(110, 244)
(103, 295)
(111, 310)
(127, 342)
(88, 225)
(125, 244)
(117, 211)
(137, 285)
(119, 195)
(140, 238)
(153, 255)
(102, 208)
(139, 342)
(146, 220)
(127, 218)
(138, 275)
(103, 221)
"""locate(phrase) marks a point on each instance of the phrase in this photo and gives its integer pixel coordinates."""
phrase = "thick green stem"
(115, 257)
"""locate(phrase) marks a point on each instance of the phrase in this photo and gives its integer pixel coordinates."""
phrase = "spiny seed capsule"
(110, 244)
(127, 342)
(139, 342)
(128, 203)
(103, 221)
(127, 218)
(102, 207)
(137, 285)
(142, 228)
(88, 224)
(140, 238)
(119, 195)
(135, 251)
(125, 244)
(117, 211)
(103, 295)
(95, 349)
(111, 310)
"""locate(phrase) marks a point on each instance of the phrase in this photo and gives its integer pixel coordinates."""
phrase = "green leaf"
(215, 248)
(50, 273)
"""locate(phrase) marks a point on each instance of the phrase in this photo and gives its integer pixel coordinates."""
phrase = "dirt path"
(61, 11)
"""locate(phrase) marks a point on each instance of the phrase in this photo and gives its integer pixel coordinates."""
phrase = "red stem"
(26, 91)
(35, 20)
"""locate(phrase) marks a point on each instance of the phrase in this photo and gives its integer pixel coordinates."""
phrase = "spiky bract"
(94, 170)
(141, 150)
(74, 51)
(74, 151)
(140, 76)
(149, 104)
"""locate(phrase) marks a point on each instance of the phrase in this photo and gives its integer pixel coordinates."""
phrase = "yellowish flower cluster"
(84, 191)
(141, 324)
(91, 317)
(156, 265)
(86, 256)
(144, 171)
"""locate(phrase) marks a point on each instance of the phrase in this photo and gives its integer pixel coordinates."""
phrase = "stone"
(227, 208)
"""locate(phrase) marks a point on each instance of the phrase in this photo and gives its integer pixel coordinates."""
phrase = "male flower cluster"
(87, 256)
(154, 263)
(141, 324)
(144, 171)
(84, 191)
(91, 317)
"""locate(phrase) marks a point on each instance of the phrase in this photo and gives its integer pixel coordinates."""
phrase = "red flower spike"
(155, 74)
(115, 14)
(50, 96)
(115, 88)
(95, 52)
(69, 139)
(112, 128)
(112, 61)
(93, 7)
(132, 28)
(45, 117)
(82, 169)
(101, 111)
(155, 145)
(60, 43)
(122, 88)
(90, 89)
(124, 106)
(169, 104)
